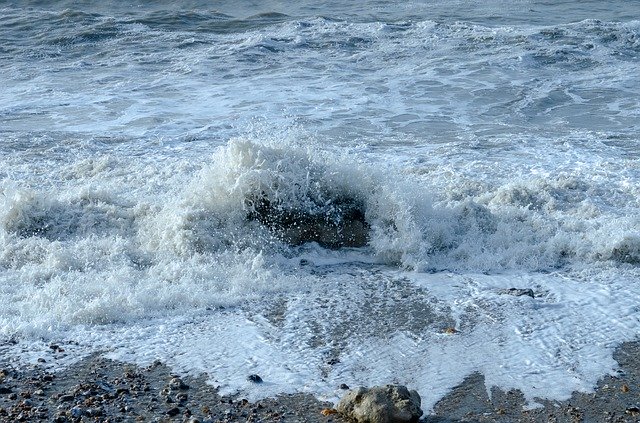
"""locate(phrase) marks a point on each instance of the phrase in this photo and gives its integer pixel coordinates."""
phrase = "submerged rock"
(254, 378)
(518, 292)
(627, 250)
(335, 225)
(381, 404)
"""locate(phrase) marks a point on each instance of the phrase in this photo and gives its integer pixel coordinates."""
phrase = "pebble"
(518, 292)
(344, 386)
(254, 378)
(177, 383)
(76, 412)
(173, 411)
(65, 398)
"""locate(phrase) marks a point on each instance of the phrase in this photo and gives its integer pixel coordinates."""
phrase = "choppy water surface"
(489, 145)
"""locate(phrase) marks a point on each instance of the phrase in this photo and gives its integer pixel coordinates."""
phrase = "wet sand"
(100, 390)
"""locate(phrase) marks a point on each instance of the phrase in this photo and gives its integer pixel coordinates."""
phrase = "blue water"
(493, 138)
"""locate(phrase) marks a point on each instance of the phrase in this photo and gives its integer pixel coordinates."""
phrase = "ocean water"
(490, 145)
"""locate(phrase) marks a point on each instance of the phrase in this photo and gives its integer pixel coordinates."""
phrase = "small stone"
(329, 411)
(65, 398)
(177, 383)
(39, 392)
(624, 388)
(13, 396)
(121, 391)
(95, 412)
(76, 412)
(4, 390)
(254, 378)
(42, 360)
(518, 292)
(634, 411)
(173, 412)
(344, 386)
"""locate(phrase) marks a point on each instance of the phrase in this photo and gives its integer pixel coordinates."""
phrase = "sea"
(493, 148)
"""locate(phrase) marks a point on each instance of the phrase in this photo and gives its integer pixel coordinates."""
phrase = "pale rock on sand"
(381, 404)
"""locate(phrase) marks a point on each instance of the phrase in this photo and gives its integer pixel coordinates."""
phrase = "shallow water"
(489, 145)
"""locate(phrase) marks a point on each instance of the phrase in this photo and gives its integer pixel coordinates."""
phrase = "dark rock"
(5, 390)
(518, 292)
(65, 398)
(173, 412)
(627, 250)
(337, 224)
(633, 410)
(254, 378)
(344, 386)
(95, 412)
(122, 391)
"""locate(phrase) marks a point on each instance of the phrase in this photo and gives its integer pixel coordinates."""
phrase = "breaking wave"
(252, 195)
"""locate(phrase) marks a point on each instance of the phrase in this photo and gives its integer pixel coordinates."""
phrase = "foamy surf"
(195, 281)
(323, 195)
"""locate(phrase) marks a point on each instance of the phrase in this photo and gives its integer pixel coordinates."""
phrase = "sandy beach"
(96, 389)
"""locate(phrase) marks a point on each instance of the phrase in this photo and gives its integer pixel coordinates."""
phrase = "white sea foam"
(486, 152)
(364, 327)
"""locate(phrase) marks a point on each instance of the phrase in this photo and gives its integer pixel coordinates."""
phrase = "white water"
(487, 153)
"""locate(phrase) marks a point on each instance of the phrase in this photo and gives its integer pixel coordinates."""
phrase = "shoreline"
(96, 389)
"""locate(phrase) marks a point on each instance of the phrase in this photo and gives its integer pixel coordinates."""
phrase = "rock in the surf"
(627, 250)
(339, 224)
(518, 292)
(381, 404)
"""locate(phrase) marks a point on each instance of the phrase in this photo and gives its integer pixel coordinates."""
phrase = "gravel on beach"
(97, 389)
